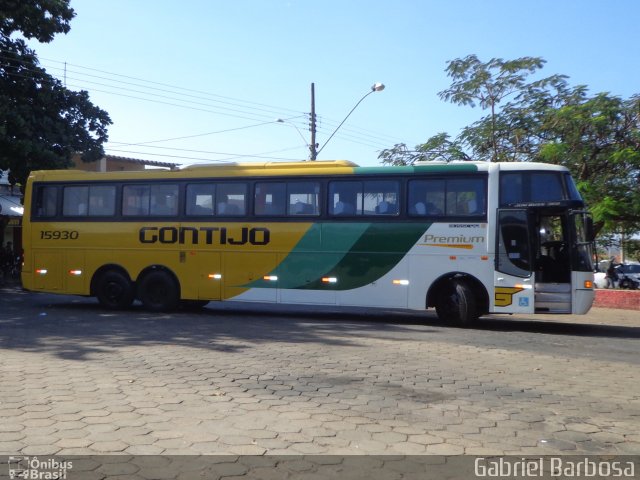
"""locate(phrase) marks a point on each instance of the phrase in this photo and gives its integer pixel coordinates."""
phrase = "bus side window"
(270, 198)
(465, 196)
(102, 200)
(135, 200)
(303, 198)
(381, 197)
(163, 200)
(75, 201)
(46, 200)
(200, 199)
(426, 198)
(231, 199)
(345, 198)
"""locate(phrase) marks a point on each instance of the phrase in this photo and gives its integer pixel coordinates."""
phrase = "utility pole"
(313, 153)
(313, 146)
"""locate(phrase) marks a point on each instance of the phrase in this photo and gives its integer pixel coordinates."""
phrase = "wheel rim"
(114, 292)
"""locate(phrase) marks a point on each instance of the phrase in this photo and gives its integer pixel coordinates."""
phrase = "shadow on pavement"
(76, 327)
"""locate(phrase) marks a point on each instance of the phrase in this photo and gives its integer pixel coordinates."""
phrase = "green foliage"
(438, 147)
(38, 19)
(487, 83)
(632, 250)
(42, 123)
(596, 137)
(498, 137)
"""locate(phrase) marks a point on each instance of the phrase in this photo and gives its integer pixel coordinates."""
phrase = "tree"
(503, 135)
(42, 123)
(632, 250)
(438, 147)
(596, 137)
(489, 84)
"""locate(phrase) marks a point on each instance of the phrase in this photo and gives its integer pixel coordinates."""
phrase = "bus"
(465, 238)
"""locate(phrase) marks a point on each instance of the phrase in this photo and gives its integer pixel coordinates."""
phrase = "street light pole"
(313, 147)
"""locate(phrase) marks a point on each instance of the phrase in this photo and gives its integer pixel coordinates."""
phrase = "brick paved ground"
(260, 380)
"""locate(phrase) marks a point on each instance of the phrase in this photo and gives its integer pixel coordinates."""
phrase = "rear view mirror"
(590, 232)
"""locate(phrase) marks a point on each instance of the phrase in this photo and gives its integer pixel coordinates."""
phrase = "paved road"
(232, 379)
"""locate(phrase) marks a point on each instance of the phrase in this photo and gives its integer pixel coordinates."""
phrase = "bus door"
(581, 226)
(552, 261)
(552, 248)
(514, 275)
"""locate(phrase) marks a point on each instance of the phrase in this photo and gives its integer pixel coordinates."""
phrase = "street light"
(282, 120)
(377, 87)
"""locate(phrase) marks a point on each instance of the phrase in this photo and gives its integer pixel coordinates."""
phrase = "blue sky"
(216, 75)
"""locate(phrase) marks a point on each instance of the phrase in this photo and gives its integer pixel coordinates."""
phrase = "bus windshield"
(532, 187)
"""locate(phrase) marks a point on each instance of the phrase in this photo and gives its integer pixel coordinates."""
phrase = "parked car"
(629, 276)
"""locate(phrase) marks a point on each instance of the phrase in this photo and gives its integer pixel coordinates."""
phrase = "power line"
(212, 105)
(364, 134)
(356, 131)
(122, 144)
(246, 110)
(263, 155)
(349, 133)
(171, 86)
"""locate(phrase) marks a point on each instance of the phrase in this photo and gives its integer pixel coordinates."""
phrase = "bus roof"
(323, 167)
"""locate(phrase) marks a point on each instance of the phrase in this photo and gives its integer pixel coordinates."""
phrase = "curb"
(622, 299)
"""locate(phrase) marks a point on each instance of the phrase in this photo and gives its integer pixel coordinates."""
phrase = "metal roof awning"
(138, 161)
(10, 206)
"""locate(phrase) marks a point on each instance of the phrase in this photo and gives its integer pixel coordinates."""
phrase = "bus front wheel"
(457, 304)
(158, 291)
(114, 290)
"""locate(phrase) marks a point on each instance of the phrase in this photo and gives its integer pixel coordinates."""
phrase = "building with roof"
(113, 163)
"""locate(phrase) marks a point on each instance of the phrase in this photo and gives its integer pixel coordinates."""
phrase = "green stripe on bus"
(320, 249)
(356, 254)
(377, 251)
(437, 168)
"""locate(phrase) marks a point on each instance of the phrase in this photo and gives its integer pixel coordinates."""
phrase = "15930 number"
(59, 235)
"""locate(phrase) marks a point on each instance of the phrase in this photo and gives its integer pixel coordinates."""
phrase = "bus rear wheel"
(158, 291)
(114, 290)
(457, 304)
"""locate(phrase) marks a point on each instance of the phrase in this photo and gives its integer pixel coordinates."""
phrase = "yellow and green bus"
(467, 238)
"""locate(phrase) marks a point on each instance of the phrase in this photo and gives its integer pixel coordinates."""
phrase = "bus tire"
(114, 290)
(158, 291)
(457, 304)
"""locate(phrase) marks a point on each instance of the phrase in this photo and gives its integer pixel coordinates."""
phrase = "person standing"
(611, 274)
